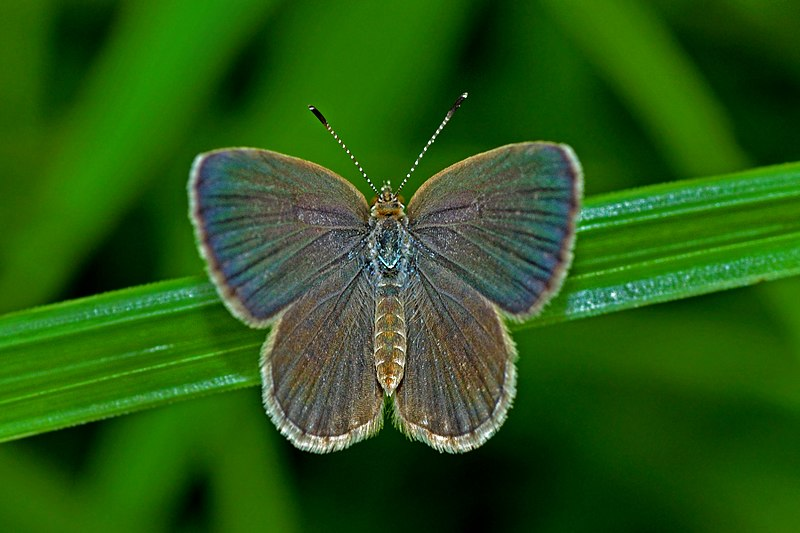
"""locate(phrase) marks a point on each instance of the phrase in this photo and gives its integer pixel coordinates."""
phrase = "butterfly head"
(388, 204)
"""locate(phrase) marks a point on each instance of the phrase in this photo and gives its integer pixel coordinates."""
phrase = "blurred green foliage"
(668, 418)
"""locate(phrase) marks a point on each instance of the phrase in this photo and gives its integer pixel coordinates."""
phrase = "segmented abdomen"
(390, 341)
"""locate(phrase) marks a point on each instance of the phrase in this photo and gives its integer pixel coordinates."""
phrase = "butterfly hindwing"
(318, 367)
(503, 221)
(269, 225)
(459, 377)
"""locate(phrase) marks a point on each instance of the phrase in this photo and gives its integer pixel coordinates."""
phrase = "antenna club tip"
(318, 115)
(459, 101)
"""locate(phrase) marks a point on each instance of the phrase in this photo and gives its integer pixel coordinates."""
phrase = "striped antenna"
(338, 140)
(436, 133)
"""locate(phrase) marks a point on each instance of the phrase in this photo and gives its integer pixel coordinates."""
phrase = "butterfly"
(376, 307)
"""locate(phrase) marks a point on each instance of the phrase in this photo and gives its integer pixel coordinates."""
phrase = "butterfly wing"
(270, 225)
(459, 375)
(503, 221)
(318, 367)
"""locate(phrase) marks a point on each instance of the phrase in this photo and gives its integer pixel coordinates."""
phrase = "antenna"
(436, 133)
(338, 140)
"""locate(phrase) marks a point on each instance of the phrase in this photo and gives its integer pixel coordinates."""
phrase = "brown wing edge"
(476, 438)
(299, 438)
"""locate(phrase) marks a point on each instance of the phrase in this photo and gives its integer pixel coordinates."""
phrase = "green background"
(668, 418)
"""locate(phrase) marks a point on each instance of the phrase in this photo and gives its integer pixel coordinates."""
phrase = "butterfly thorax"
(389, 255)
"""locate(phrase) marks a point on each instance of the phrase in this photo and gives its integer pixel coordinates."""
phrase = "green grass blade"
(117, 352)
(113, 353)
(682, 239)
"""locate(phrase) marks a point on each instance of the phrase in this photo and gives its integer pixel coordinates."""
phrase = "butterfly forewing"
(269, 225)
(459, 379)
(318, 368)
(503, 221)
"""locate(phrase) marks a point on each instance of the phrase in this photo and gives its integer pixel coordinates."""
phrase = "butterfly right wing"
(503, 221)
(270, 225)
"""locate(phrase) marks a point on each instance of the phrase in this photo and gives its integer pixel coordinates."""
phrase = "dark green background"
(675, 417)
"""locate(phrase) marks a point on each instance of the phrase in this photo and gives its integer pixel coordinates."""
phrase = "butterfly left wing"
(270, 225)
(459, 375)
(318, 367)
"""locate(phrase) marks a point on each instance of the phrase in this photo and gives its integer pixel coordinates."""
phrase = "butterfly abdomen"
(390, 340)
